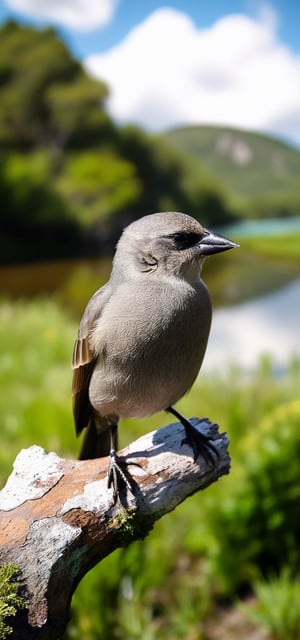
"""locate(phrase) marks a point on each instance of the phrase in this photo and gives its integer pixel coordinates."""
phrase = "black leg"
(116, 476)
(200, 443)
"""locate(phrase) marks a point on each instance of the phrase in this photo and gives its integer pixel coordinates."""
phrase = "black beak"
(214, 243)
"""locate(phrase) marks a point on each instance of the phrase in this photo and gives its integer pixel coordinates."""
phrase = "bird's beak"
(214, 243)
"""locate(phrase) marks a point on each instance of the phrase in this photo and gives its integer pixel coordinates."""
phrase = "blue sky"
(129, 13)
(185, 62)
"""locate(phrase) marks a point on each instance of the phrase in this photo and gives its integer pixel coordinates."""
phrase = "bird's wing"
(84, 359)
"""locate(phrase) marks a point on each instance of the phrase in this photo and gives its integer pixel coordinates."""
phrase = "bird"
(143, 335)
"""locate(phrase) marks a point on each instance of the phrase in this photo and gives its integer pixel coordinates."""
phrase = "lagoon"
(259, 228)
(266, 325)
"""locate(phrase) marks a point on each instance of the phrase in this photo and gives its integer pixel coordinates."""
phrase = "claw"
(116, 476)
(200, 443)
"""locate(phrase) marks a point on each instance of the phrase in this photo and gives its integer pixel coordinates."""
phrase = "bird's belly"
(142, 382)
(135, 395)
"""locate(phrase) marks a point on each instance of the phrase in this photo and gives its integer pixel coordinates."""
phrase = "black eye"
(185, 240)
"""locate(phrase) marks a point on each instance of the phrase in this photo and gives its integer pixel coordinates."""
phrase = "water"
(269, 227)
(267, 325)
(266, 321)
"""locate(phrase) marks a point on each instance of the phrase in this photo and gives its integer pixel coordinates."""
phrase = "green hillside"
(250, 165)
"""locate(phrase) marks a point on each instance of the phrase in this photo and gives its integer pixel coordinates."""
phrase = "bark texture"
(57, 517)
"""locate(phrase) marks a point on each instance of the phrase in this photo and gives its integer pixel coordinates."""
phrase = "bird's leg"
(116, 476)
(200, 443)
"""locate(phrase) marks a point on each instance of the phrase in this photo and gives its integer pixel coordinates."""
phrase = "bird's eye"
(185, 239)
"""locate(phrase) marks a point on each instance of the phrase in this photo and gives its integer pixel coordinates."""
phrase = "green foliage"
(47, 104)
(281, 246)
(76, 117)
(97, 184)
(10, 601)
(276, 607)
(274, 205)
(35, 377)
(26, 180)
(138, 592)
(256, 525)
(36, 70)
(35, 220)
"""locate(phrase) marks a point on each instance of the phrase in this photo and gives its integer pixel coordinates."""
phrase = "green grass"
(35, 377)
(276, 605)
(286, 247)
(214, 543)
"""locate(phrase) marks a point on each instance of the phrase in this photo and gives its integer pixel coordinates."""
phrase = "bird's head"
(169, 243)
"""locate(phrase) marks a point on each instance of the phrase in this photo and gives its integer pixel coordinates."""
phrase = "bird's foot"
(199, 442)
(118, 475)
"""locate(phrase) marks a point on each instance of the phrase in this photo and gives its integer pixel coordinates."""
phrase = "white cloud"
(168, 72)
(83, 15)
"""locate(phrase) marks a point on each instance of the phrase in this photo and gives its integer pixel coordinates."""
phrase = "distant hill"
(250, 165)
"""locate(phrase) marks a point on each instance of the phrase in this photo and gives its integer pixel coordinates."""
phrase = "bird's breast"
(151, 345)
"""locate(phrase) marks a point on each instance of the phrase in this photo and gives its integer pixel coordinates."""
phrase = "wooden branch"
(57, 517)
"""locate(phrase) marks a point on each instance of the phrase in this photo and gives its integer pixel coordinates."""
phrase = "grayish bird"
(143, 335)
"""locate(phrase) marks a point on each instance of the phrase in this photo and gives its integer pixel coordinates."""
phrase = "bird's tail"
(97, 441)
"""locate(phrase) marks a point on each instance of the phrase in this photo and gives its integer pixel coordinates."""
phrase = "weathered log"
(58, 519)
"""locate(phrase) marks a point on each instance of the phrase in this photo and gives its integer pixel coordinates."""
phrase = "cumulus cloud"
(82, 15)
(168, 72)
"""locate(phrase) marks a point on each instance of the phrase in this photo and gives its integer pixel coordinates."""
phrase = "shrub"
(10, 601)
(256, 525)
(276, 607)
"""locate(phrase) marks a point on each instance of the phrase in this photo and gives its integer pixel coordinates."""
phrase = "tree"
(36, 221)
(46, 99)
